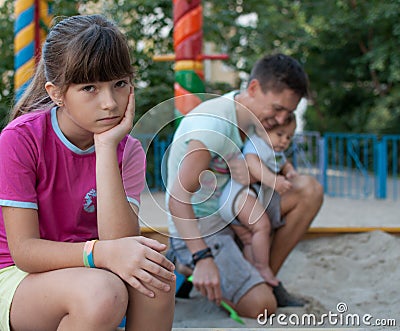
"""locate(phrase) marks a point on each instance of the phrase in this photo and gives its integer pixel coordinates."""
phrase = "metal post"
(382, 171)
(188, 42)
(323, 162)
(32, 17)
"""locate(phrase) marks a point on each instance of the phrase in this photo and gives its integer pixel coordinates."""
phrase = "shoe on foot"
(285, 299)
(170, 255)
(183, 286)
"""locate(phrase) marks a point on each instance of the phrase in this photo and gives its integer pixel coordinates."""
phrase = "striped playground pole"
(32, 18)
(188, 42)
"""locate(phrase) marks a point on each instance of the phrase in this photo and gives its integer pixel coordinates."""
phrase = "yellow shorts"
(10, 278)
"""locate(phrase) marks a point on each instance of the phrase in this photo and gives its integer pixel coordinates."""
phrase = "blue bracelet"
(202, 254)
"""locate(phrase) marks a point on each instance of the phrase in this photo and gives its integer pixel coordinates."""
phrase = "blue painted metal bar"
(380, 191)
(395, 173)
(325, 164)
(322, 161)
(389, 172)
(351, 163)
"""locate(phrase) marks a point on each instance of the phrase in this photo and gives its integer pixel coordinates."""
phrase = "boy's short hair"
(278, 72)
(290, 119)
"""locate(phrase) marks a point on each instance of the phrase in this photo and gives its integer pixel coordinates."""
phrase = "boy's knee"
(264, 303)
(255, 302)
(311, 188)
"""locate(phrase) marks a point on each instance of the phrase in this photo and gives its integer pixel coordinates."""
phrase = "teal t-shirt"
(214, 124)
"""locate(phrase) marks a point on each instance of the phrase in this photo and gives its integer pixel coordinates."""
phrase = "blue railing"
(347, 165)
(388, 183)
(305, 154)
(350, 166)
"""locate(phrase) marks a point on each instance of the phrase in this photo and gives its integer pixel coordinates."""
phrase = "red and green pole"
(188, 44)
(188, 56)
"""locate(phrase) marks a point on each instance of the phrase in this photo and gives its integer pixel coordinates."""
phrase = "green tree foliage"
(350, 49)
(148, 26)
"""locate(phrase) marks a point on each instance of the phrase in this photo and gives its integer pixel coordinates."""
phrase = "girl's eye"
(121, 83)
(88, 88)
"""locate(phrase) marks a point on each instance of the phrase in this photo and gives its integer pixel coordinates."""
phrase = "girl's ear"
(54, 93)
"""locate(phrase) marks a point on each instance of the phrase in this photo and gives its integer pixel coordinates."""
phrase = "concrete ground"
(335, 212)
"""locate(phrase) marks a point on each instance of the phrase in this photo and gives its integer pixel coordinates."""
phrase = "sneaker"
(285, 299)
(183, 286)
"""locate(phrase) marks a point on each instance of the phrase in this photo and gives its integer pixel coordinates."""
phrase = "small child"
(258, 208)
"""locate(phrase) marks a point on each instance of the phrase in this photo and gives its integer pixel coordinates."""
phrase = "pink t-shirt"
(41, 169)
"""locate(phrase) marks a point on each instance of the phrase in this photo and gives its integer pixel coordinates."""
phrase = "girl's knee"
(105, 299)
(140, 316)
(165, 299)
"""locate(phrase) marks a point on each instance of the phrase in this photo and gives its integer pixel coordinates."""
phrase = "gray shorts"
(237, 275)
(268, 197)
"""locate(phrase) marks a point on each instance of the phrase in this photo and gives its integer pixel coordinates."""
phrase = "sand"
(360, 271)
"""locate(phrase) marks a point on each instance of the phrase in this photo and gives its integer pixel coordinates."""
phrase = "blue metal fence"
(347, 165)
(388, 183)
(305, 154)
(350, 166)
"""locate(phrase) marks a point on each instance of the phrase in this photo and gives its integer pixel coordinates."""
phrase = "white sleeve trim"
(18, 204)
(134, 201)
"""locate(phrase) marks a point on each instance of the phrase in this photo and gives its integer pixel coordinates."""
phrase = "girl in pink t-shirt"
(71, 256)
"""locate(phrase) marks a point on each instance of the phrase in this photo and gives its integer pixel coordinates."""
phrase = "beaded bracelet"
(88, 253)
(202, 254)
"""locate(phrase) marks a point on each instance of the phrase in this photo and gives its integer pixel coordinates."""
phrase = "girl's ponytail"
(35, 96)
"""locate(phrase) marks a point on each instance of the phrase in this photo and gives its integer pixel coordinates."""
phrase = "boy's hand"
(206, 280)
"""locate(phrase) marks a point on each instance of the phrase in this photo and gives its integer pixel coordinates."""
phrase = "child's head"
(77, 50)
(280, 136)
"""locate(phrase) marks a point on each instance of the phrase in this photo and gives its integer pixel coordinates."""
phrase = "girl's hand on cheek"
(114, 135)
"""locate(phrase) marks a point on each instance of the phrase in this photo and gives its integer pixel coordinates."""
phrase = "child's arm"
(115, 216)
(262, 174)
(137, 260)
(206, 276)
(259, 171)
(29, 252)
(288, 170)
(133, 259)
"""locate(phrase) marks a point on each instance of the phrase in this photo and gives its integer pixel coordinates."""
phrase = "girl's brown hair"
(78, 50)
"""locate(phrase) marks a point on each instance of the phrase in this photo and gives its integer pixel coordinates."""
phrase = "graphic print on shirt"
(218, 174)
(90, 201)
